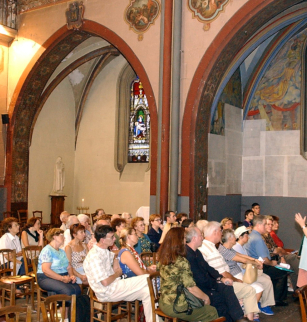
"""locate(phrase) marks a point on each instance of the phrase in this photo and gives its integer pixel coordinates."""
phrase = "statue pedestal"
(57, 206)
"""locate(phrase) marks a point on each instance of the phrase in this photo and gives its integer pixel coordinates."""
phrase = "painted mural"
(140, 14)
(278, 95)
(232, 94)
(206, 10)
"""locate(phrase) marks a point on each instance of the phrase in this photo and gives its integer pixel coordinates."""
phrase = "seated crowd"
(210, 259)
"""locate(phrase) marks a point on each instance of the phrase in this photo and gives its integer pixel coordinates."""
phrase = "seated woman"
(155, 232)
(175, 270)
(227, 223)
(85, 221)
(129, 260)
(181, 217)
(143, 244)
(32, 235)
(118, 224)
(284, 256)
(54, 273)
(263, 285)
(76, 252)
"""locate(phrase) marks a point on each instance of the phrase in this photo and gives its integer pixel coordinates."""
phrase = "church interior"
(195, 106)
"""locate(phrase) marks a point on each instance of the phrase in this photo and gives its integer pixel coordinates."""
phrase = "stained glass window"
(139, 124)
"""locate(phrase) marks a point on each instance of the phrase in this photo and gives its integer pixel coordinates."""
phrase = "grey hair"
(64, 213)
(190, 233)
(227, 233)
(201, 224)
(211, 227)
(82, 218)
(70, 219)
(258, 220)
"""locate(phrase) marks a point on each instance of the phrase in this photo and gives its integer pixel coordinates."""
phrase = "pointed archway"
(26, 103)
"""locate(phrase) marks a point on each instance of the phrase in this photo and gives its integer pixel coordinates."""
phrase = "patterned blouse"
(171, 276)
(77, 258)
(270, 244)
(143, 244)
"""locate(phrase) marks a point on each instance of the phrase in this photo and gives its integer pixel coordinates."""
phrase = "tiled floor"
(290, 313)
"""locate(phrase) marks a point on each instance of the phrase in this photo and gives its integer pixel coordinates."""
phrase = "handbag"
(192, 301)
(251, 274)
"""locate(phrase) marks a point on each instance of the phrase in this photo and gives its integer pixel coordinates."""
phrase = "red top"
(276, 239)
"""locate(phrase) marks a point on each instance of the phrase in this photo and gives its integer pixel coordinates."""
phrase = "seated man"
(213, 234)
(104, 274)
(222, 296)
(256, 248)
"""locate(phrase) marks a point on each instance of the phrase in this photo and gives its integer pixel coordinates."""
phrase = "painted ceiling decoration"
(206, 10)
(140, 14)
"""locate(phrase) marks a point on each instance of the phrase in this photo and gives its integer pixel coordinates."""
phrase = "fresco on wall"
(140, 14)
(206, 10)
(278, 95)
(232, 94)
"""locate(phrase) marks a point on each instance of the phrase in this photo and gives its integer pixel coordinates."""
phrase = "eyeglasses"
(158, 219)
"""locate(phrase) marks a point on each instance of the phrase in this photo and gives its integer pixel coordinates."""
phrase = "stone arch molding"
(29, 97)
(235, 34)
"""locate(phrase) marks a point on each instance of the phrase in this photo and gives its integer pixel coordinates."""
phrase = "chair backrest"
(50, 308)
(12, 313)
(154, 293)
(38, 213)
(34, 262)
(29, 253)
(302, 294)
(8, 262)
(22, 216)
(149, 258)
(7, 288)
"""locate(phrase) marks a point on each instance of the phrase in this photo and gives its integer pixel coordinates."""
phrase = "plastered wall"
(53, 136)
(96, 180)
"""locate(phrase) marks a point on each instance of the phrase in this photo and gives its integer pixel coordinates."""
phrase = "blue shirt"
(57, 258)
(127, 272)
(143, 244)
(256, 246)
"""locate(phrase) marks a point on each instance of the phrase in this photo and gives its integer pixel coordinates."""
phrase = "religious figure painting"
(278, 94)
(140, 14)
(206, 10)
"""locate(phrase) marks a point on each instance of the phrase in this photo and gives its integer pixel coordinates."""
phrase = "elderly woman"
(32, 235)
(54, 273)
(118, 224)
(76, 252)
(175, 270)
(143, 244)
(10, 240)
(155, 232)
(267, 298)
(85, 221)
(129, 260)
(227, 223)
(284, 256)
(72, 220)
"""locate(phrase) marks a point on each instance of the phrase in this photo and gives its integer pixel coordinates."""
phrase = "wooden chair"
(302, 295)
(22, 216)
(6, 293)
(50, 308)
(105, 309)
(149, 258)
(12, 313)
(29, 253)
(8, 273)
(41, 294)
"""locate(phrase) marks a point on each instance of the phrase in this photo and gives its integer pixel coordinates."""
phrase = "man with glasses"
(155, 232)
(104, 274)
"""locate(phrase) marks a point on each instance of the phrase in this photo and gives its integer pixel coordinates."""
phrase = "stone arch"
(214, 63)
(24, 107)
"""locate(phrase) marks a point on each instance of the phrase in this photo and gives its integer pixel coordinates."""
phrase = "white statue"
(59, 177)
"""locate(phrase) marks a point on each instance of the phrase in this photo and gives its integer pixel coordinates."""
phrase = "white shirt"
(98, 266)
(67, 238)
(213, 256)
(63, 227)
(8, 241)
